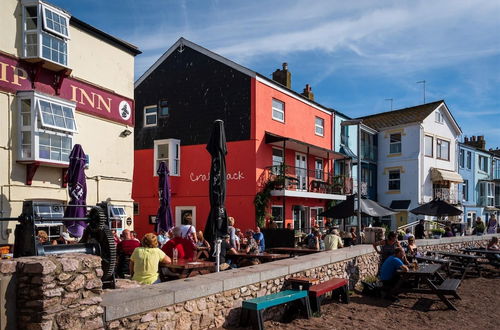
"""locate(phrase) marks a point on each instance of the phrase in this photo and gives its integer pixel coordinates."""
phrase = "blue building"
(477, 192)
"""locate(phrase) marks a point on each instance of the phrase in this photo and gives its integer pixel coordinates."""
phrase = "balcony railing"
(486, 201)
(449, 195)
(369, 153)
(301, 179)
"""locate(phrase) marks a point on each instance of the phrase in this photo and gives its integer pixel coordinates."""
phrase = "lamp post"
(358, 123)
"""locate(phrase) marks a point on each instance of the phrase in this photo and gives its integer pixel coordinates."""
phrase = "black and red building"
(277, 138)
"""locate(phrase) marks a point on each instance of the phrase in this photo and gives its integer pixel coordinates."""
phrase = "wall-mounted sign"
(16, 75)
(234, 176)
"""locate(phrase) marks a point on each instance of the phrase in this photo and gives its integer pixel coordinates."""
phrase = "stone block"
(69, 264)
(38, 266)
(8, 266)
(77, 284)
(122, 303)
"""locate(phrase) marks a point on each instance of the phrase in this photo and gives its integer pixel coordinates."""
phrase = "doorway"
(301, 170)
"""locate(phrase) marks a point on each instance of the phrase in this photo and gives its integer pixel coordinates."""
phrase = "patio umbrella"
(77, 188)
(164, 216)
(437, 208)
(347, 209)
(216, 225)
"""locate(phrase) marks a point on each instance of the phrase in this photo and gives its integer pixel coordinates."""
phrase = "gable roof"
(401, 116)
(182, 42)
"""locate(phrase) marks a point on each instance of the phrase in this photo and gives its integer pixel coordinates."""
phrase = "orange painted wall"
(191, 187)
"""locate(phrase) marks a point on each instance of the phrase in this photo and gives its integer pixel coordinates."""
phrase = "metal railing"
(301, 179)
(449, 195)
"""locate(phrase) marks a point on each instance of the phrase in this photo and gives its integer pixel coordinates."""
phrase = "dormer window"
(45, 33)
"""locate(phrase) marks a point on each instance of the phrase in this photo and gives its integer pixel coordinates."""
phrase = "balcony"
(449, 195)
(302, 180)
(368, 153)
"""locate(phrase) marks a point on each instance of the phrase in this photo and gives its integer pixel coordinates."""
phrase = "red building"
(274, 135)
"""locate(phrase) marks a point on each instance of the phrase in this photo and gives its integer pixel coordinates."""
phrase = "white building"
(416, 157)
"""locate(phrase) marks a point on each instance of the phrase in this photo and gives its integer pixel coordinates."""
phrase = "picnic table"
(293, 251)
(264, 256)
(484, 252)
(464, 262)
(425, 274)
(445, 262)
(185, 268)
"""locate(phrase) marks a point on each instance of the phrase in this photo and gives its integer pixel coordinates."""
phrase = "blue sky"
(354, 54)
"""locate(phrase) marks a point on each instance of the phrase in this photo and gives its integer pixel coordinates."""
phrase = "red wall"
(191, 187)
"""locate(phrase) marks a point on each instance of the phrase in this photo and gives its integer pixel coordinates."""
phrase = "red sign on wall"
(16, 75)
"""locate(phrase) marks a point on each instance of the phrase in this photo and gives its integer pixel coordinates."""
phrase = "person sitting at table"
(332, 240)
(448, 232)
(185, 247)
(225, 250)
(407, 234)
(187, 228)
(388, 272)
(202, 242)
(410, 249)
(353, 235)
(145, 260)
(43, 238)
(252, 246)
(387, 246)
(493, 244)
(124, 250)
(259, 238)
(315, 242)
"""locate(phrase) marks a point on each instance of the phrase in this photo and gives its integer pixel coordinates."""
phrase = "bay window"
(45, 32)
(486, 193)
(46, 128)
(167, 151)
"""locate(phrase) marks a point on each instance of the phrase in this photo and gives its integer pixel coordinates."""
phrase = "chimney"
(476, 141)
(283, 76)
(308, 92)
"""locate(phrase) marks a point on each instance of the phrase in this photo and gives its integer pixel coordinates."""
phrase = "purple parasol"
(77, 187)
(164, 219)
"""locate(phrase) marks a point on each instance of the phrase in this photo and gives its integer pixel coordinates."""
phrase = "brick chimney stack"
(308, 92)
(283, 76)
(476, 141)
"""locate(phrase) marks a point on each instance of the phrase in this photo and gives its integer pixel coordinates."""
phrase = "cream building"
(62, 82)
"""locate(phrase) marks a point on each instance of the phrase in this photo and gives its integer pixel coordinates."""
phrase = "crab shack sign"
(16, 75)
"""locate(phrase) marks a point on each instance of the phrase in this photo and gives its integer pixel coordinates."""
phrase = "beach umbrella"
(77, 188)
(436, 208)
(216, 225)
(164, 219)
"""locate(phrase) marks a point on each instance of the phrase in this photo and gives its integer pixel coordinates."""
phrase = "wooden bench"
(318, 290)
(254, 308)
(448, 287)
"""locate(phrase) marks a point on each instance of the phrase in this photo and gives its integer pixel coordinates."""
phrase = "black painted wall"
(199, 90)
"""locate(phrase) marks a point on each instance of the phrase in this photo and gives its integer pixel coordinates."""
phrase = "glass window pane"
(68, 113)
(151, 120)
(47, 119)
(44, 139)
(162, 151)
(57, 109)
(44, 152)
(150, 110)
(55, 141)
(59, 121)
(70, 124)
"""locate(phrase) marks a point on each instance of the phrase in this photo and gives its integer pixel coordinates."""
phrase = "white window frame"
(173, 160)
(486, 192)
(274, 109)
(439, 117)
(42, 29)
(461, 158)
(53, 228)
(178, 214)
(319, 174)
(400, 143)
(279, 223)
(320, 221)
(439, 143)
(146, 115)
(276, 168)
(319, 128)
(389, 180)
(425, 145)
(117, 217)
(469, 160)
(36, 129)
(482, 162)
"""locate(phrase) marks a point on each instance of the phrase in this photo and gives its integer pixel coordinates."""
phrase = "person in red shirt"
(124, 250)
(184, 246)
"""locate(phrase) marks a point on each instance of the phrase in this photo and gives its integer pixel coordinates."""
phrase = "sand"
(478, 309)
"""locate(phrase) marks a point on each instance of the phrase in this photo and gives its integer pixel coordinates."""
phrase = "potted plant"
(437, 232)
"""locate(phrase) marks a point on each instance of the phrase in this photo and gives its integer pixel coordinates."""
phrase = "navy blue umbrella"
(164, 220)
(77, 188)
(216, 225)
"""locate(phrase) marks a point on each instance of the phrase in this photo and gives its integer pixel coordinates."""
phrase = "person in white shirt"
(187, 229)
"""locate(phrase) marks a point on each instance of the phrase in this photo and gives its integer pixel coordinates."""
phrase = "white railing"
(449, 195)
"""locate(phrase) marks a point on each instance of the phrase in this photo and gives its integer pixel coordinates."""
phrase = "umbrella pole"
(217, 255)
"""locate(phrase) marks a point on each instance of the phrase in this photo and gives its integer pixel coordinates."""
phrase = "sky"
(355, 54)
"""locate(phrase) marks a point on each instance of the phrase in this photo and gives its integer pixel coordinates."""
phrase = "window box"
(45, 34)
(167, 151)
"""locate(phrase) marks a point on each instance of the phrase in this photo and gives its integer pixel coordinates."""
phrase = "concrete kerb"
(195, 287)
(235, 278)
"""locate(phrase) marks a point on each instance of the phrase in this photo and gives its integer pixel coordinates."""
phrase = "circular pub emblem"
(125, 110)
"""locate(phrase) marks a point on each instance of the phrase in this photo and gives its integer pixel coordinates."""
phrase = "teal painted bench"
(254, 308)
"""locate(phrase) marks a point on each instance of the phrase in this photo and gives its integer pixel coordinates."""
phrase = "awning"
(491, 209)
(438, 174)
(301, 146)
(345, 150)
(400, 204)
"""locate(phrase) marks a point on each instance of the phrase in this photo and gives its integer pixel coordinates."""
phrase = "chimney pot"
(285, 66)
(308, 92)
(283, 76)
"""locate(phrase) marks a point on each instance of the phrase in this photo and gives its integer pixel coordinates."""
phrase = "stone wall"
(57, 292)
(214, 300)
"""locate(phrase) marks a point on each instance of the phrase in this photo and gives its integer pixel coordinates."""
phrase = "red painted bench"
(317, 291)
